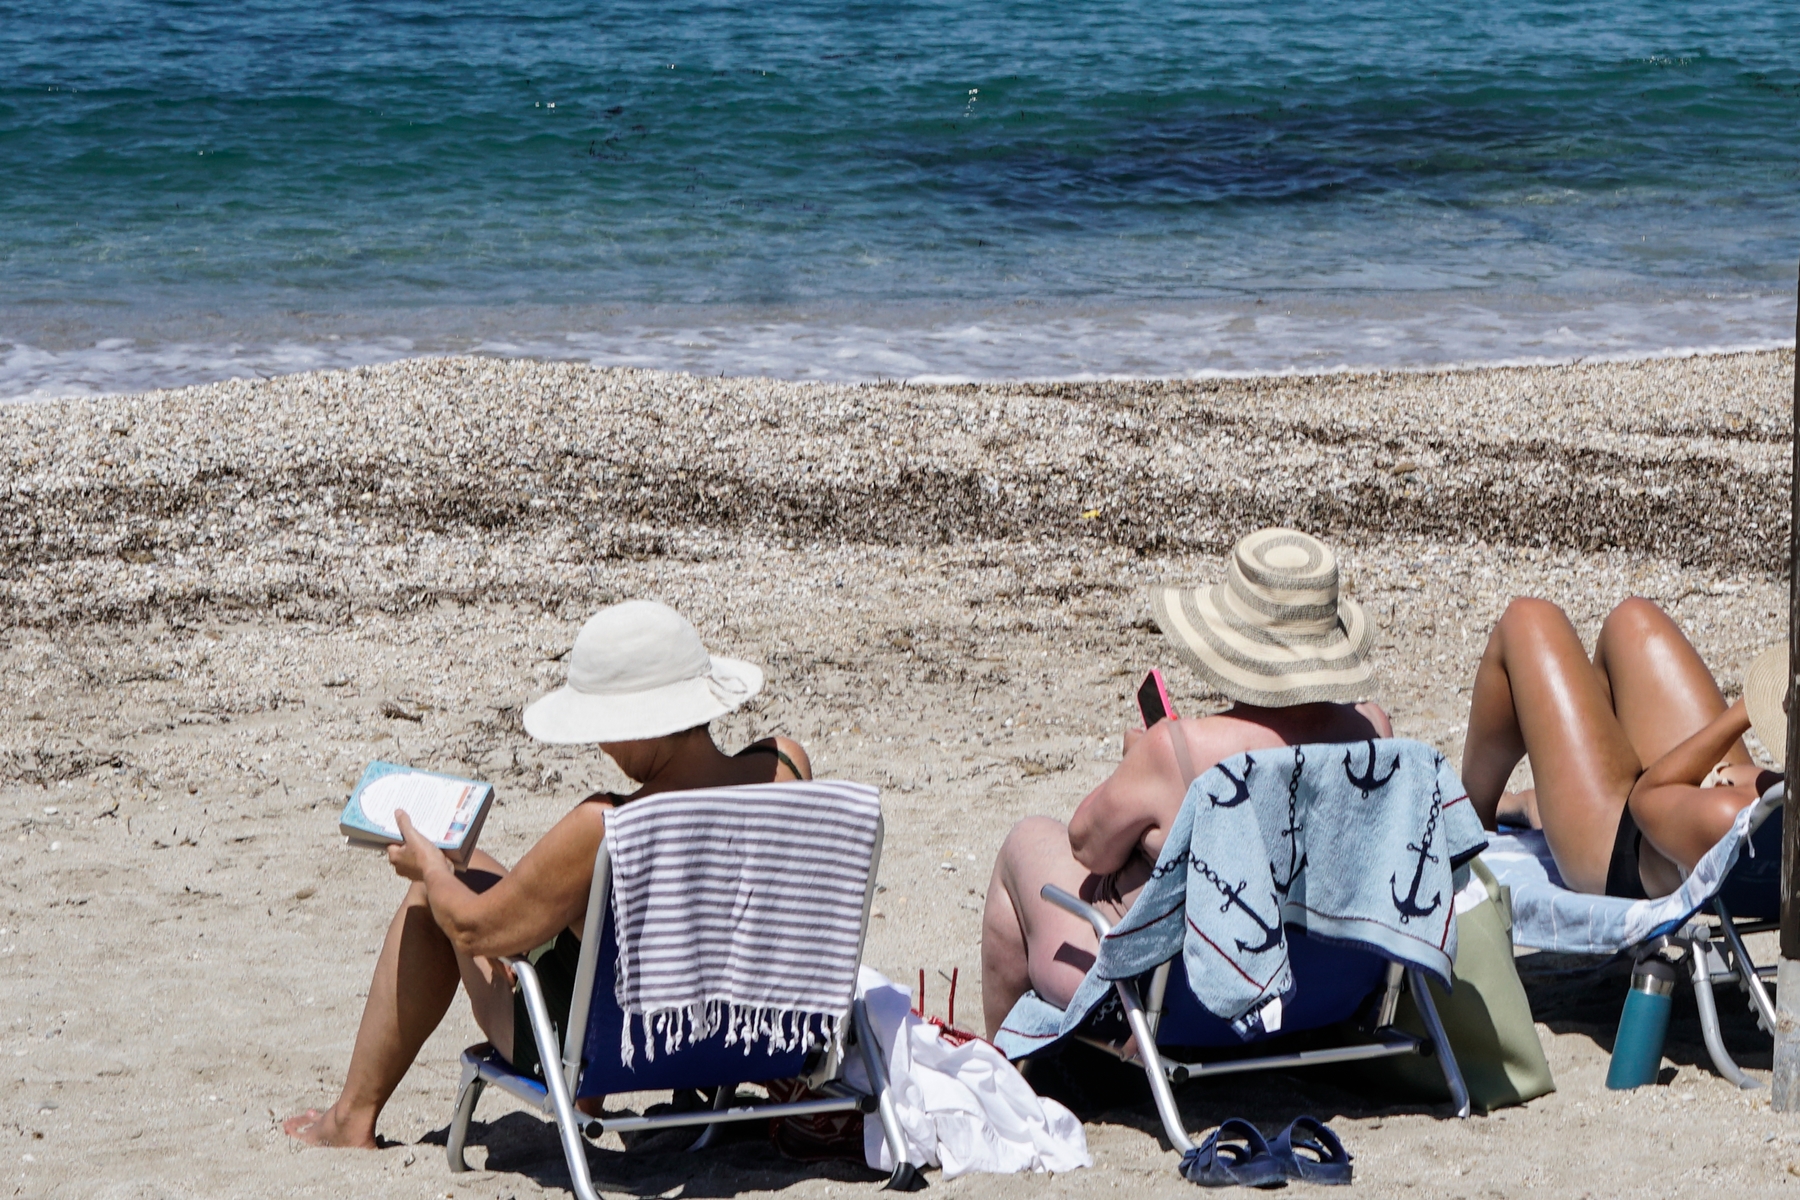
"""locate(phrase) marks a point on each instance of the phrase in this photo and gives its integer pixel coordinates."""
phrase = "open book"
(445, 809)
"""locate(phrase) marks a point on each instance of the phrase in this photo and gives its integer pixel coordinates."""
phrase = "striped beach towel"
(740, 909)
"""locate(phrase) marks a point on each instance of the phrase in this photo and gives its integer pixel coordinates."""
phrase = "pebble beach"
(221, 602)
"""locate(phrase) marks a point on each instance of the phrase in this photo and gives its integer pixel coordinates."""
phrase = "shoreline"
(979, 345)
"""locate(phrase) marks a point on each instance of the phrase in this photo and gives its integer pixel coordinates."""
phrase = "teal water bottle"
(1637, 1051)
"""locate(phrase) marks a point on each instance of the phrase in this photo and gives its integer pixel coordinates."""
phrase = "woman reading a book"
(644, 689)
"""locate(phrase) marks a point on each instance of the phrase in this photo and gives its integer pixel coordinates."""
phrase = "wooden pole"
(1786, 1096)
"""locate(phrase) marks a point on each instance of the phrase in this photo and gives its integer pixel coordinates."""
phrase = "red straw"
(921, 1009)
(951, 1018)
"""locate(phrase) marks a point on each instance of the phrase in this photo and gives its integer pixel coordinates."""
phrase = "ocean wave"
(1302, 335)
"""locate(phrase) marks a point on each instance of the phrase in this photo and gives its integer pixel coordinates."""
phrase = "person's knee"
(1530, 612)
(1634, 618)
(1028, 845)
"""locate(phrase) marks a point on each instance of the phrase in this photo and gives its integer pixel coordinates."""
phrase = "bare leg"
(1661, 691)
(1663, 694)
(415, 980)
(1027, 943)
(1536, 690)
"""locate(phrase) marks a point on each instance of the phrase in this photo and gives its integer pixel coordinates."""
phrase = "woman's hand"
(418, 856)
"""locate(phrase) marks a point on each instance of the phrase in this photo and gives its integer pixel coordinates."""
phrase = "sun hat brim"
(571, 717)
(1765, 687)
(1259, 666)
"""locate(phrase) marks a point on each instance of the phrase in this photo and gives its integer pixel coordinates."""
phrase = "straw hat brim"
(1765, 687)
(571, 717)
(1263, 667)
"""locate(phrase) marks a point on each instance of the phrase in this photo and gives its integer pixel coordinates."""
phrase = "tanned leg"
(415, 980)
(1027, 943)
(1663, 694)
(1661, 690)
(1536, 692)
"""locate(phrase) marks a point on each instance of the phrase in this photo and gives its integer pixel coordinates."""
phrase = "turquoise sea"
(193, 189)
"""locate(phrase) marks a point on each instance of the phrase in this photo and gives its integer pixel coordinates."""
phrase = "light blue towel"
(1353, 843)
(1548, 916)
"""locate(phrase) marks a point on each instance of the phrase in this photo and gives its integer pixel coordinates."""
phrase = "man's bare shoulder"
(1218, 737)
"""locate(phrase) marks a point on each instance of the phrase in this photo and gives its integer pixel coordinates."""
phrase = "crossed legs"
(1590, 727)
(415, 980)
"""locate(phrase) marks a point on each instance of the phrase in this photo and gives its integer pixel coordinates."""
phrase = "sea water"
(195, 189)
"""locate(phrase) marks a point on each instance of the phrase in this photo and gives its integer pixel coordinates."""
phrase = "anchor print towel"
(1354, 843)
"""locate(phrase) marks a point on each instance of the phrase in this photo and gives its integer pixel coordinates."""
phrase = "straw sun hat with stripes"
(1276, 633)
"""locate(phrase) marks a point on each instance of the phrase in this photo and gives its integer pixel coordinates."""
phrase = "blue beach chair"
(1341, 978)
(1734, 891)
(1334, 985)
(589, 1063)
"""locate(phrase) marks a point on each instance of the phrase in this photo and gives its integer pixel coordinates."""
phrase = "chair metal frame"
(1709, 963)
(481, 1066)
(1165, 1073)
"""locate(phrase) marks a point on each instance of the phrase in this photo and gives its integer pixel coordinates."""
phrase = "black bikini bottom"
(1622, 878)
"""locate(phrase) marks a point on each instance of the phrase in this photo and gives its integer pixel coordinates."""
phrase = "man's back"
(1133, 810)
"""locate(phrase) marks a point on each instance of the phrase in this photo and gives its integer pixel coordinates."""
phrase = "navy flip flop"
(1234, 1155)
(1308, 1151)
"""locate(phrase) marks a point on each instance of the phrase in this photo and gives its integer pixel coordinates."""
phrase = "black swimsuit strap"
(776, 751)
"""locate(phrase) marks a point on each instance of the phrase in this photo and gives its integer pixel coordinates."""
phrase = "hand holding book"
(415, 856)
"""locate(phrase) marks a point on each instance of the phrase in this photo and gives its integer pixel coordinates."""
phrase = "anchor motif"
(1234, 898)
(1367, 782)
(1410, 906)
(1242, 786)
(1291, 833)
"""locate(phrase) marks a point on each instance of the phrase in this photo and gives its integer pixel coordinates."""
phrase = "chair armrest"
(1078, 906)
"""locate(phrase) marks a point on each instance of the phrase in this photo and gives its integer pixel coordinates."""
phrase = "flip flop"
(1325, 1160)
(1234, 1155)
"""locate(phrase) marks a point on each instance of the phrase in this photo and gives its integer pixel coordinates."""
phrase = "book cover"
(447, 809)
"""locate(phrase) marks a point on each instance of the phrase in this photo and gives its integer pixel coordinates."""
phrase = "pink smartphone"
(1153, 699)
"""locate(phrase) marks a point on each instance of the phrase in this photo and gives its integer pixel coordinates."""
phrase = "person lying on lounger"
(641, 686)
(1290, 653)
(1639, 762)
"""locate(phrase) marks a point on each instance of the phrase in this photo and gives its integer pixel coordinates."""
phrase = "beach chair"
(1336, 986)
(1734, 891)
(1346, 990)
(590, 1060)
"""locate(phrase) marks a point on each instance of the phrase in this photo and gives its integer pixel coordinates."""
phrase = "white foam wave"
(1305, 335)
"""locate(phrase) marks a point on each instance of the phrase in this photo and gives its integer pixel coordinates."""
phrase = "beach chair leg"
(906, 1176)
(568, 1124)
(722, 1097)
(468, 1092)
(1761, 1002)
(1701, 976)
(1153, 1067)
(1440, 1040)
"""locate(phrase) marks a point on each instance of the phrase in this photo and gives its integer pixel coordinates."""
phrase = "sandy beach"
(221, 602)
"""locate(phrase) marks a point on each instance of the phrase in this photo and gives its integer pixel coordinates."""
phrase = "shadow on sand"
(740, 1159)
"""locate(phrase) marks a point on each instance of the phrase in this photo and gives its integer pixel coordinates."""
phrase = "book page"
(441, 809)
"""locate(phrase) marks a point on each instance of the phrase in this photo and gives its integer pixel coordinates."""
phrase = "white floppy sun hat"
(638, 671)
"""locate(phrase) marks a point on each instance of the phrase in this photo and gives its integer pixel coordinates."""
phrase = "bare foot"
(317, 1128)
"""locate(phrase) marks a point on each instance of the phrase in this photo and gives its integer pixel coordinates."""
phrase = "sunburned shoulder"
(1215, 738)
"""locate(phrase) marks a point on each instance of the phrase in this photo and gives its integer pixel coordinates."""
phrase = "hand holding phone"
(1153, 699)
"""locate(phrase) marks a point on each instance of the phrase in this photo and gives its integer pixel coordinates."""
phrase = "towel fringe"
(781, 1030)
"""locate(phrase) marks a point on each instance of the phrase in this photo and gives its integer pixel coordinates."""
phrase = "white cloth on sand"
(963, 1107)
